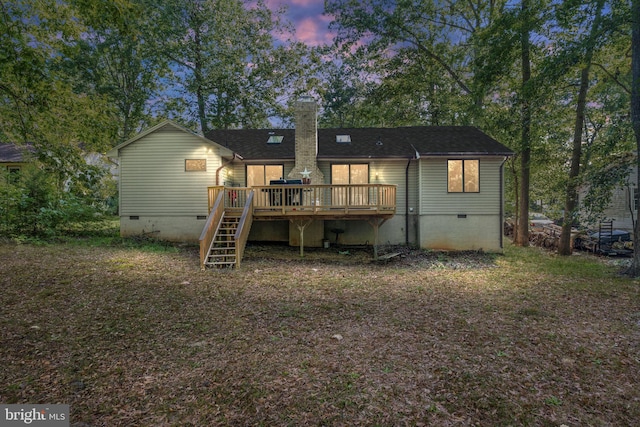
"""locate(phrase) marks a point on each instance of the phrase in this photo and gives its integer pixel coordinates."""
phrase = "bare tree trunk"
(525, 159)
(199, 82)
(516, 183)
(571, 201)
(635, 118)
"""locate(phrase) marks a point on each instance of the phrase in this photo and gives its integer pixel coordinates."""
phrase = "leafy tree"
(522, 227)
(34, 205)
(38, 103)
(635, 117)
(225, 59)
(571, 203)
(344, 90)
(440, 42)
(362, 89)
(121, 67)
(583, 48)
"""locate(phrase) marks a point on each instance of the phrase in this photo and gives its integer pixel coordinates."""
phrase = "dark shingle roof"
(252, 143)
(365, 143)
(404, 142)
(447, 140)
(12, 153)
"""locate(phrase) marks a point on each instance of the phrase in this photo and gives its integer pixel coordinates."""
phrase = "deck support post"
(376, 223)
(301, 226)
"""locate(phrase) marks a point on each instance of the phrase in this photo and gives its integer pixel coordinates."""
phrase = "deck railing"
(244, 226)
(311, 199)
(216, 212)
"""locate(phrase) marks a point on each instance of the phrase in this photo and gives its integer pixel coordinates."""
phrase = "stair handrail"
(244, 226)
(210, 228)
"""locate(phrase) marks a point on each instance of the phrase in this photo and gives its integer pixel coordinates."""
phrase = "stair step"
(221, 264)
(221, 257)
(225, 260)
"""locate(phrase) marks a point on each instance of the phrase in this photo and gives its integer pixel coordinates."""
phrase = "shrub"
(36, 204)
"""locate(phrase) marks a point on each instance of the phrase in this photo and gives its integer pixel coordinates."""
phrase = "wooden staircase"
(224, 236)
(222, 252)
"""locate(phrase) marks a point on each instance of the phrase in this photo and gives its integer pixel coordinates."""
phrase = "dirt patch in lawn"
(390, 255)
(132, 337)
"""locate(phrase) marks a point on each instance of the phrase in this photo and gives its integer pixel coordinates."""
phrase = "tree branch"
(415, 41)
(17, 101)
(614, 78)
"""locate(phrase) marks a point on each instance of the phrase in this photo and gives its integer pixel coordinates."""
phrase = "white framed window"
(352, 174)
(463, 176)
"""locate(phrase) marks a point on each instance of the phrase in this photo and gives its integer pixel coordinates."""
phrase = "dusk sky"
(312, 27)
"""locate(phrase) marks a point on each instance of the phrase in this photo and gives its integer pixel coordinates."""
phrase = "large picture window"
(263, 174)
(463, 176)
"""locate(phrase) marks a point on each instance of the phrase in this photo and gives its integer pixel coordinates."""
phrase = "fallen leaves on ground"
(128, 337)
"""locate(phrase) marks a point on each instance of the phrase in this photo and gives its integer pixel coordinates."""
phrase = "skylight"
(275, 139)
(343, 139)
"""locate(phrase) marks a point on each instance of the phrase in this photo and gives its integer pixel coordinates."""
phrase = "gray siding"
(389, 172)
(460, 221)
(436, 200)
(394, 231)
(153, 180)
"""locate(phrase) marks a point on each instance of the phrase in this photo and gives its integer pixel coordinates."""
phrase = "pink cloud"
(275, 4)
(306, 3)
(309, 31)
(310, 24)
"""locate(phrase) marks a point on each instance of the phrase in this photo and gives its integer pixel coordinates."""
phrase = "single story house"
(436, 187)
(13, 158)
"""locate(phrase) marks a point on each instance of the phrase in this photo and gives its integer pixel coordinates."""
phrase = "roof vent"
(343, 139)
(379, 141)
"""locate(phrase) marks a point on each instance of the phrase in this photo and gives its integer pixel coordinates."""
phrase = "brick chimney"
(306, 122)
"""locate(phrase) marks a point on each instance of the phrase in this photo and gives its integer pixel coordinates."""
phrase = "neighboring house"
(623, 207)
(13, 158)
(436, 187)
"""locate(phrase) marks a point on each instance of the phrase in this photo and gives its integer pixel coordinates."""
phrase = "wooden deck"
(300, 204)
(290, 202)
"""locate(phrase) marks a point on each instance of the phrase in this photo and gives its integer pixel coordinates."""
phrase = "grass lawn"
(139, 336)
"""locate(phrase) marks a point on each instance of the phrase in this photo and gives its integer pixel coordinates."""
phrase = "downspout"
(235, 156)
(406, 213)
(406, 202)
(501, 219)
